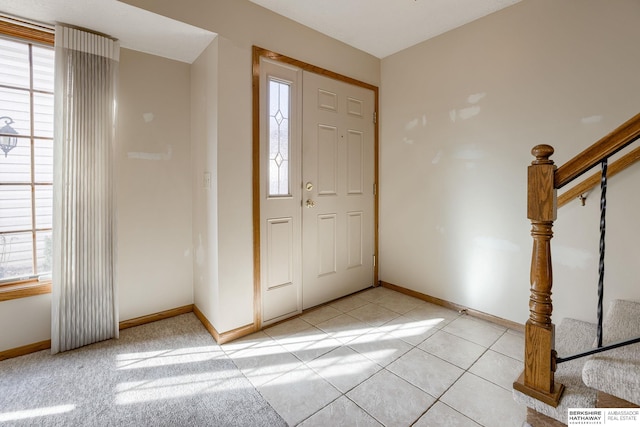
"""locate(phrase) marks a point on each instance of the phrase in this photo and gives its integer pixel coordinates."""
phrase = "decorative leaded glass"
(279, 138)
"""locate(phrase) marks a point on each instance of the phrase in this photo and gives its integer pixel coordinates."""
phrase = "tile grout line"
(467, 370)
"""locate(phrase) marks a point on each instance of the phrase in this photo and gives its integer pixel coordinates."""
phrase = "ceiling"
(136, 28)
(379, 27)
(384, 27)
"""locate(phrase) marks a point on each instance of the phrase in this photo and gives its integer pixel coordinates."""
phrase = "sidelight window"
(279, 137)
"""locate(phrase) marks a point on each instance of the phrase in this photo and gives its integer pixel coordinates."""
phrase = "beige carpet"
(166, 373)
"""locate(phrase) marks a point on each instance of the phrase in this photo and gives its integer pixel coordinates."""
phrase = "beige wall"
(26, 321)
(155, 255)
(460, 114)
(154, 200)
(222, 231)
(204, 157)
(235, 216)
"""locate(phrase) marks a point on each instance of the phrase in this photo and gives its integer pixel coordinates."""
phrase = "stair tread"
(617, 372)
(621, 322)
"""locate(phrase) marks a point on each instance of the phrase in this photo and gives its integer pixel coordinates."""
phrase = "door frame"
(257, 53)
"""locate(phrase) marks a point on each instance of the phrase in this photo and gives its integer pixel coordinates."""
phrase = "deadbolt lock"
(309, 186)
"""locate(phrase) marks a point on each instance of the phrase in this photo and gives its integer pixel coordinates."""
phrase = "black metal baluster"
(603, 211)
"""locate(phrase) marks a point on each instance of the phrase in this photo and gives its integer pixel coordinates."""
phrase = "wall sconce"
(8, 140)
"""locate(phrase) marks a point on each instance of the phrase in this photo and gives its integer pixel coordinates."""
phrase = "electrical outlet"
(206, 180)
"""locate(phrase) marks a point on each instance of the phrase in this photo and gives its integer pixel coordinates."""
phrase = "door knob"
(310, 203)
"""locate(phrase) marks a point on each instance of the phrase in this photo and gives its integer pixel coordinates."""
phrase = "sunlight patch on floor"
(413, 328)
(264, 359)
(172, 387)
(152, 359)
(35, 412)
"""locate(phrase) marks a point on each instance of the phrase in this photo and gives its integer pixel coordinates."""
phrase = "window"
(279, 102)
(26, 156)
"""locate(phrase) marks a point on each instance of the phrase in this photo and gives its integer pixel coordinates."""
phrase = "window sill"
(24, 289)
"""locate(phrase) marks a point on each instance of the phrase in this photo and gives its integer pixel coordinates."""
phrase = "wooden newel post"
(537, 380)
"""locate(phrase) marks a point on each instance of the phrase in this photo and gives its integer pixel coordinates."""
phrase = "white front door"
(338, 189)
(317, 203)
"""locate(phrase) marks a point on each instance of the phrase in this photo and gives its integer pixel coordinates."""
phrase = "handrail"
(538, 378)
(616, 167)
(607, 146)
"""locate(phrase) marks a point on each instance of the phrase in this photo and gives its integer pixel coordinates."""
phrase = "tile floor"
(383, 358)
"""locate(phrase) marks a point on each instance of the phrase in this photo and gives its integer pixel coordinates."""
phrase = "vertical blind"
(84, 303)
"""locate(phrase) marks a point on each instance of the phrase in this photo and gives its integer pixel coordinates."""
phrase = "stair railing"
(585, 186)
(544, 179)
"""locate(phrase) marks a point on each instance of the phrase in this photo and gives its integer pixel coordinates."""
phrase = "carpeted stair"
(615, 372)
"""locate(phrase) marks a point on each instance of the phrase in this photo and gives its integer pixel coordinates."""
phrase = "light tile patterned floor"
(383, 358)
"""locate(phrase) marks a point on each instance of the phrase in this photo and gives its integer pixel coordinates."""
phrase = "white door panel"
(338, 163)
